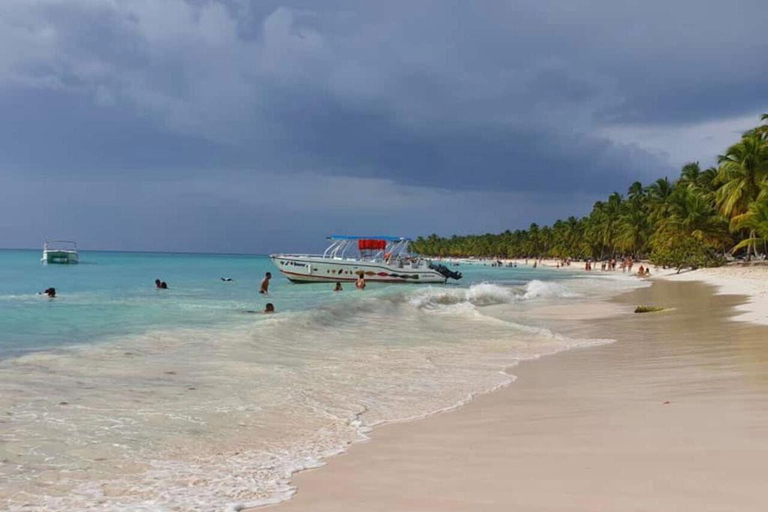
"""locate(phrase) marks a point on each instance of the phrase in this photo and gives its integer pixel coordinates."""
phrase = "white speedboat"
(60, 251)
(378, 259)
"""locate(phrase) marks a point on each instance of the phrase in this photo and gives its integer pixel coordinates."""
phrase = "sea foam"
(218, 419)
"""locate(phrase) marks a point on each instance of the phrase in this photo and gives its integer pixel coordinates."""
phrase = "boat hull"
(60, 257)
(307, 269)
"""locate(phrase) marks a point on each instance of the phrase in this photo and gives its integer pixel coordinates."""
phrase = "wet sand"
(671, 417)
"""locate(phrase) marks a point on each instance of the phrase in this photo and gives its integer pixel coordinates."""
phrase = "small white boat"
(378, 259)
(60, 251)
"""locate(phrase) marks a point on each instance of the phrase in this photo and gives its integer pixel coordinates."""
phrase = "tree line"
(696, 220)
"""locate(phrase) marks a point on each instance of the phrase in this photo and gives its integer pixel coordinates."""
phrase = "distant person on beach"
(641, 271)
(338, 287)
(360, 284)
(270, 308)
(647, 272)
(50, 292)
(265, 283)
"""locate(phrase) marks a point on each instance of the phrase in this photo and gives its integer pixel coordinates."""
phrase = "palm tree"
(659, 193)
(706, 182)
(743, 172)
(660, 190)
(632, 230)
(743, 177)
(690, 174)
(756, 221)
(636, 191)
(691, 214)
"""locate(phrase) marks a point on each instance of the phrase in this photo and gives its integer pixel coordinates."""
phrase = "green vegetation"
(692, 222)
(648, 309)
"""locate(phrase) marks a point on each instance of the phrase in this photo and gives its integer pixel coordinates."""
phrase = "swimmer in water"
(338, 287)
(270, 308)
(50, 292)
(360, 284)
(265, 283)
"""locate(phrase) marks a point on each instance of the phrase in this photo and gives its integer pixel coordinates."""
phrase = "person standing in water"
(338, 287)
(360, 284)
(265, 283)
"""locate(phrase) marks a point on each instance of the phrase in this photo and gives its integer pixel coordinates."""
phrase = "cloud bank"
(534, 101)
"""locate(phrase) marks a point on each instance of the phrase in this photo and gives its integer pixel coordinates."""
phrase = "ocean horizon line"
(191, 253)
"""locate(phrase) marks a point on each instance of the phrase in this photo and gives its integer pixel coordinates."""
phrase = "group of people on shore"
(626, 266)
(611, 264)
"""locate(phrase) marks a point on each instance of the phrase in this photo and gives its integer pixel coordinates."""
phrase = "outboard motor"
(445, 271)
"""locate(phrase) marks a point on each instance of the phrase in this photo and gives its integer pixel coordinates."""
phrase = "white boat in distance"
(60, 251)
(379, 259)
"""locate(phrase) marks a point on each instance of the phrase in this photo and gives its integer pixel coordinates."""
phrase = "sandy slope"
(736, 280)
(671, 417)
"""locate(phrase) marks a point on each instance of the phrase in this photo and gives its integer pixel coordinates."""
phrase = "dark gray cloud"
(467, 98)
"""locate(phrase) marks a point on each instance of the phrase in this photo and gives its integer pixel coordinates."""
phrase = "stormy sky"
(237, 126)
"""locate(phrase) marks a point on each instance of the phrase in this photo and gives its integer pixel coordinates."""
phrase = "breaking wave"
(487, 294)
(217, 419)
(546, 290)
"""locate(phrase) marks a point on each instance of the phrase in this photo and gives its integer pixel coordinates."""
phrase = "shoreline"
(246, 452)
(316, 487)
(734, 279)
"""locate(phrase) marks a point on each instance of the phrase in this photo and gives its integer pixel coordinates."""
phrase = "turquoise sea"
(113, 294)
(121, 397)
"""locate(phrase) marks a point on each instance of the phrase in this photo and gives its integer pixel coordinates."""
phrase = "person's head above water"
(51, 292)
(157, 283)
(269, 308)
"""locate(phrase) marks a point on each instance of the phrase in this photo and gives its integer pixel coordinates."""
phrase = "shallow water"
(117, 396)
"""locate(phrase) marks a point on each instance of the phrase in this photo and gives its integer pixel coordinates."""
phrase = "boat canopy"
(60, 245)
(369, 247)
(385, 238)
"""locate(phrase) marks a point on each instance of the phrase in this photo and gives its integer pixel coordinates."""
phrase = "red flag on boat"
(371, 245)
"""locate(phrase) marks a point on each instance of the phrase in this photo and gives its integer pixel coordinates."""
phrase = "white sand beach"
(749, 280)
(673, 416)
